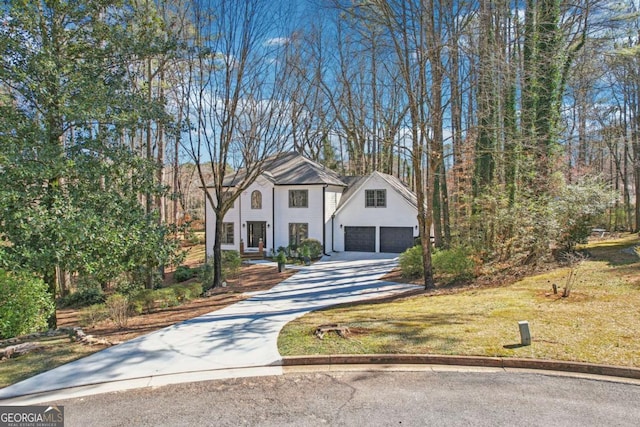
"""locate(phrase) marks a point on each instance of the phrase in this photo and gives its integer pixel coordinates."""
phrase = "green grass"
(58, 351)
(595, 324)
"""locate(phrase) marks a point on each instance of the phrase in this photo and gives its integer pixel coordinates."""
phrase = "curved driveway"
(216, 345)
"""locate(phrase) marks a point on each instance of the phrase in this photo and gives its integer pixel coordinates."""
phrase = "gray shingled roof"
(294, 169)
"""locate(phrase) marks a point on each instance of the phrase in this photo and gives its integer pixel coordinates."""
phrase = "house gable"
(373, 225)
(355, 194)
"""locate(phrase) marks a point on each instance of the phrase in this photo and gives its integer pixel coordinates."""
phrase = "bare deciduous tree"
(238, 109)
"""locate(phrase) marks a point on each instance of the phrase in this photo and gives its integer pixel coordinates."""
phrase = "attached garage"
(396, 239)
(360, 239)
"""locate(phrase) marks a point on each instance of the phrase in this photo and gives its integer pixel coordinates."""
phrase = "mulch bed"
(252, 278)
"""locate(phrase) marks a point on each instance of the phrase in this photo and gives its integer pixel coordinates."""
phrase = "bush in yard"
(314, 246)
(577, 208)
(118, 309)
(205, 274)
(456, 263)
(166, 297)
(25, 304)
(93, 314)
(411, 262)
(143, 301)
(184, 293)
(183, 273)
(195, 289)
(231, 263)
(83, 297)
(181, 293)
(129, 288)
(187, 292)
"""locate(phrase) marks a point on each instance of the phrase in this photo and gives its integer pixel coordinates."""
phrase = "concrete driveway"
(239, 340)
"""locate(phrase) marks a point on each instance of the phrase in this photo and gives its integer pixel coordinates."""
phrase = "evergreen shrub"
(313, 246)
(183, 273)
(25, 304)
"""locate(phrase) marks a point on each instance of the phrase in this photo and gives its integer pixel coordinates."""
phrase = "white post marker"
(525, 335)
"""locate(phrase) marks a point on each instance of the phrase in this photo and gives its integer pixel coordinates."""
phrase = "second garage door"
(396, 239)
(360, 239)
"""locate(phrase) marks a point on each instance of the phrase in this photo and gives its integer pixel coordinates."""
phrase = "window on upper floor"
(256, 200)
(227, 195)
(298, 198)
(375, 198)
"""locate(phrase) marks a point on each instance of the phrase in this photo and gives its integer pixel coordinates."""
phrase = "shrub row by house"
(308, 248)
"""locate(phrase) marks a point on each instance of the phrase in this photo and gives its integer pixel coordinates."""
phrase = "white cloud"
(277, 41)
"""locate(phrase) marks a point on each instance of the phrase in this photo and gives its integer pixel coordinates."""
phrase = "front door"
(256, 231)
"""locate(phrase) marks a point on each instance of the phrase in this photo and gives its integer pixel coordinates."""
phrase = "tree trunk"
(437, 210)
(149, 156)
(50, 279)
(217, 250)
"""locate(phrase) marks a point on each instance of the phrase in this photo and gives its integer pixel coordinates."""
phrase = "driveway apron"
(243, 335)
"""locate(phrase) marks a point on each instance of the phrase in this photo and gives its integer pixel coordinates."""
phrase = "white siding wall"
(265, 214)
(398, 213)
(312, 215)
(332, 199)
(242, 206)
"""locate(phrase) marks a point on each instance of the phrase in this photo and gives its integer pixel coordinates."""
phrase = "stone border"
(490, 362)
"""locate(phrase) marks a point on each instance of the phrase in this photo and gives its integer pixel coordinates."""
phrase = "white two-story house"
(296, 198)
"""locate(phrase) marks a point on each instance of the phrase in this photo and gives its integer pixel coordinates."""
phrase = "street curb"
(489, 362)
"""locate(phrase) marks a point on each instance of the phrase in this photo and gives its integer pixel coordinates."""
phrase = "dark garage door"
(396, 239)
(360, 239)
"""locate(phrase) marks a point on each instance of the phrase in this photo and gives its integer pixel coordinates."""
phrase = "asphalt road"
(382, 398)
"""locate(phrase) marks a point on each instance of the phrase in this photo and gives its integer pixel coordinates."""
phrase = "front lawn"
(597, 323)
